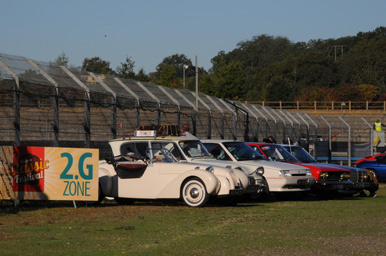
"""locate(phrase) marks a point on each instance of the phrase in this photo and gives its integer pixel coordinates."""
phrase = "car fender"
(242, 176)
(225, 173)
(173, 189)
(107, 178)
(225, 186)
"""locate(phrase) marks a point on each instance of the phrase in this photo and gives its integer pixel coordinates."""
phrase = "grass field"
(342, 226)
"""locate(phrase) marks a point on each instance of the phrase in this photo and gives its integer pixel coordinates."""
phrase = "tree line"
(273, 68)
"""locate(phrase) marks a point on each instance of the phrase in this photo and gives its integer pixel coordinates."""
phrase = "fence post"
(86, 99)
(348, 141)
(297, 105)
(332, 105)
(16, 123)
(315, 104)
(16, 102)
(54, 100)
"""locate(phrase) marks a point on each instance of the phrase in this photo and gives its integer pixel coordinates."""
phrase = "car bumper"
(290, 184)
(332, 185)
(253, 188)
(236, 192)
(360, 185)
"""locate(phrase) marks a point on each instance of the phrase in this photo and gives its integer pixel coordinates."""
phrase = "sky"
(147, 31)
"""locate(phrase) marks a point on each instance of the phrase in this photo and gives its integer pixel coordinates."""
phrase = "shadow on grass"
(8, 207)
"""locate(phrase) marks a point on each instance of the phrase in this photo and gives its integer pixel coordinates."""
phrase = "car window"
(217, 151)
(278, 153)
(162, 152)
(138, 148)
(242, 152)
(170, 147)
(300, 154)
(194, 148)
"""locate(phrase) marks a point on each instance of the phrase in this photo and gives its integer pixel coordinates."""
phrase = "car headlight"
(260, 170)
(284, 173)
(323, 175)
(308, 173)
(345, 176)
(210, 169)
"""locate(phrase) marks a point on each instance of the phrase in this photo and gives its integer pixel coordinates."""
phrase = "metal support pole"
(348, 141)
(315, 134)
(16, 123)
(371, 136)
(329, 138)
(209, 135)
(138, 113)
(87, 122)
(114, 117)
(159, 116)
(55, 103)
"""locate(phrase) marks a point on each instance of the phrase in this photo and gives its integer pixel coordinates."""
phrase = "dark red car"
(327, 178)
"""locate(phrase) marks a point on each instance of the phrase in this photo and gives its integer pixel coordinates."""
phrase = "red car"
(327, 178)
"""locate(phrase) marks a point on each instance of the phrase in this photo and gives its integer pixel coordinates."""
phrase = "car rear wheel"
(101, 196)
(194, 193)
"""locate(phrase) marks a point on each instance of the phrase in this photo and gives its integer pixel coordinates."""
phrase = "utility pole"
(341, 47)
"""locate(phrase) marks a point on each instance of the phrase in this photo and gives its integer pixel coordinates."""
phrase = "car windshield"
(160, 154)
(278, 153)
(242, 152)
(194, 149)
(300, 154)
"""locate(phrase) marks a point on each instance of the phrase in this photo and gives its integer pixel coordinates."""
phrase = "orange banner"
(48, 173)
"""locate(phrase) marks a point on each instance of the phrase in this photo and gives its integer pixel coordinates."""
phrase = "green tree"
(97, 65)
(62, 60)
(230, 81)
(167, 76)
(142, 76)
(126, 69)
(177, 61)
(366, 63)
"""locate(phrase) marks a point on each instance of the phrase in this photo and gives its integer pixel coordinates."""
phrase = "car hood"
(326, 167)
(352, 169)
(211, 161)
(272, 165)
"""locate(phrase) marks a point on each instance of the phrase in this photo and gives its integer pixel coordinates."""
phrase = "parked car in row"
(145, 167)
(376, 164)
(358, 176)
(192, 150)
(279, 177)
(327, 178)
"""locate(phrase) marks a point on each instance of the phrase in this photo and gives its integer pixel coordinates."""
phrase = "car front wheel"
(194, 193)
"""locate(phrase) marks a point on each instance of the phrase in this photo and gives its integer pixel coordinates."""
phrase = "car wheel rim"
(193, 193)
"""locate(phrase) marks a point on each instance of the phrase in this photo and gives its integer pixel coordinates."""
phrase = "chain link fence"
(44, 104)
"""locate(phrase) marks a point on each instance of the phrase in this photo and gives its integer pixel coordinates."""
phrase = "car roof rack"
(153, 130)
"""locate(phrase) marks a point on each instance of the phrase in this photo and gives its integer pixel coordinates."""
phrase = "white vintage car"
(279, 177)
(143, 167)
(191, 150)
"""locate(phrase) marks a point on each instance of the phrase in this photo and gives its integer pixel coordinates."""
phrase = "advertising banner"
(50, 173)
